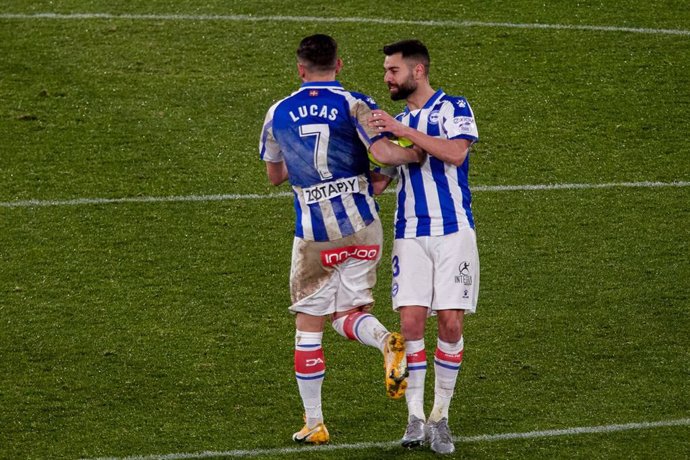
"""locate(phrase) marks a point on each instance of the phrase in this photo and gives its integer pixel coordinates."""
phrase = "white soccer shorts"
(334, 276)
(440, 272)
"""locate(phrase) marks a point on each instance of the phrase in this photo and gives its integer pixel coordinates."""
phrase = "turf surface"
(161, 327)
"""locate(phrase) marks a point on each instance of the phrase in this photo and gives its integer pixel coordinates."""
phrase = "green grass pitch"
(145, 327)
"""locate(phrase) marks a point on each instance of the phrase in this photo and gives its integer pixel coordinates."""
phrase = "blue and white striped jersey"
(434, 197)
(321, 133)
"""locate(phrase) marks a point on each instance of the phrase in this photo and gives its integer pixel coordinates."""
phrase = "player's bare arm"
(453, 151)
(392, 154)
(379, 182)
(383, 150)
(277, 172)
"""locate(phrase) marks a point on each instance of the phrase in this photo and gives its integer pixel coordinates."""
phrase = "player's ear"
(301, 70)
(338, 66)
(419, 71)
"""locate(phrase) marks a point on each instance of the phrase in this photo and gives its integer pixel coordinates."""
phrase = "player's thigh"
(357, 280)
(357, 274)
(313, 286)
(412, 270)
(456, 272)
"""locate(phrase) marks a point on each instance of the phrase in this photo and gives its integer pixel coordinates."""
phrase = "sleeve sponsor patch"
(464, 125)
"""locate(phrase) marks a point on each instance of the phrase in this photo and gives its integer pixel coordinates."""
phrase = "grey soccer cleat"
(440, 439)
(414, 434)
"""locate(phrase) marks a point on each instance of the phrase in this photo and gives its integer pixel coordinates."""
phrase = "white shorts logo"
(463, 275)
(329, 190)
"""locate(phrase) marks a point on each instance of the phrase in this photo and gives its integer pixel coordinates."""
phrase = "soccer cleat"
(395, 363)
(440, 439)
(414, 434)
(317, 435)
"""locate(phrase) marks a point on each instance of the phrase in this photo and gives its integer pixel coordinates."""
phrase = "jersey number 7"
(322, 133)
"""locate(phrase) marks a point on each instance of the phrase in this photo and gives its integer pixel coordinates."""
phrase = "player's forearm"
(453, 151)
(386, 152)
(277, 172)
(379, 182)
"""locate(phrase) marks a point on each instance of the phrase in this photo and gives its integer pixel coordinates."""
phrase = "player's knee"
(341, 314)
(449, 331)
(412, 328)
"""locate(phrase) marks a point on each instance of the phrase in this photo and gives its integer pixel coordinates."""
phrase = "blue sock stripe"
(359, 321)
(418, 367)
(310, 377)
(447, 366)
(308, 347)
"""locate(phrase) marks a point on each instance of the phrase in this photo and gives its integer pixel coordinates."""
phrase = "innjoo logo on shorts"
(336, 256)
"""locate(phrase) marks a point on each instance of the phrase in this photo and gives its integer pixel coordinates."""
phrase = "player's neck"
(420, 97)
(314, 77)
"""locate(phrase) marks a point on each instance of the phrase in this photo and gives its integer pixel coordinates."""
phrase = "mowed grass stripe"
(391, 444)
(358, 20)
(255, 196)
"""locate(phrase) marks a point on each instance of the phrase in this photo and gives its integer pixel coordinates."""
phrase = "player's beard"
(406, 88)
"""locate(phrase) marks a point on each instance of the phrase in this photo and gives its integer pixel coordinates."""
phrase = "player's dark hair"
(412, 49)
(319, 53)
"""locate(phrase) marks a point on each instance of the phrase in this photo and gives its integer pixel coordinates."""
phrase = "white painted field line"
(357, 20)
(254, 196)
(140, 199)
(392, 444)
(644, 184)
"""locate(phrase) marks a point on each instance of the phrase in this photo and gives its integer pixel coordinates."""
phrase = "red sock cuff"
(418, 357)
(310, 364)
(350, 324)
(448, 357)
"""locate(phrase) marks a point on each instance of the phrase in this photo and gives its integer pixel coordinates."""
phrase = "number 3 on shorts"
(396, 266)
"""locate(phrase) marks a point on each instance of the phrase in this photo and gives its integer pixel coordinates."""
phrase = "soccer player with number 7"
(319, 140)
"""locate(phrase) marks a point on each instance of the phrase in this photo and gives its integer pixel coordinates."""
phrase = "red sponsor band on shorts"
(337, 256)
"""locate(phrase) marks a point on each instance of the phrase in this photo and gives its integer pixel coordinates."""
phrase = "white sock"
(416, 364)
(447, 363)
(363, 327)
(310, 369)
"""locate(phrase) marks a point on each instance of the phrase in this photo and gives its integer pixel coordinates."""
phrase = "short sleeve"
(269, 149)
(458, 120)
(361, 111)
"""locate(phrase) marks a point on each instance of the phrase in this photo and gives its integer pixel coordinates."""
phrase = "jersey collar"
(431, 102)
(321, 84)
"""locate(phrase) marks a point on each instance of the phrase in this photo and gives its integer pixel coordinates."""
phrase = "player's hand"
(383, 122)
